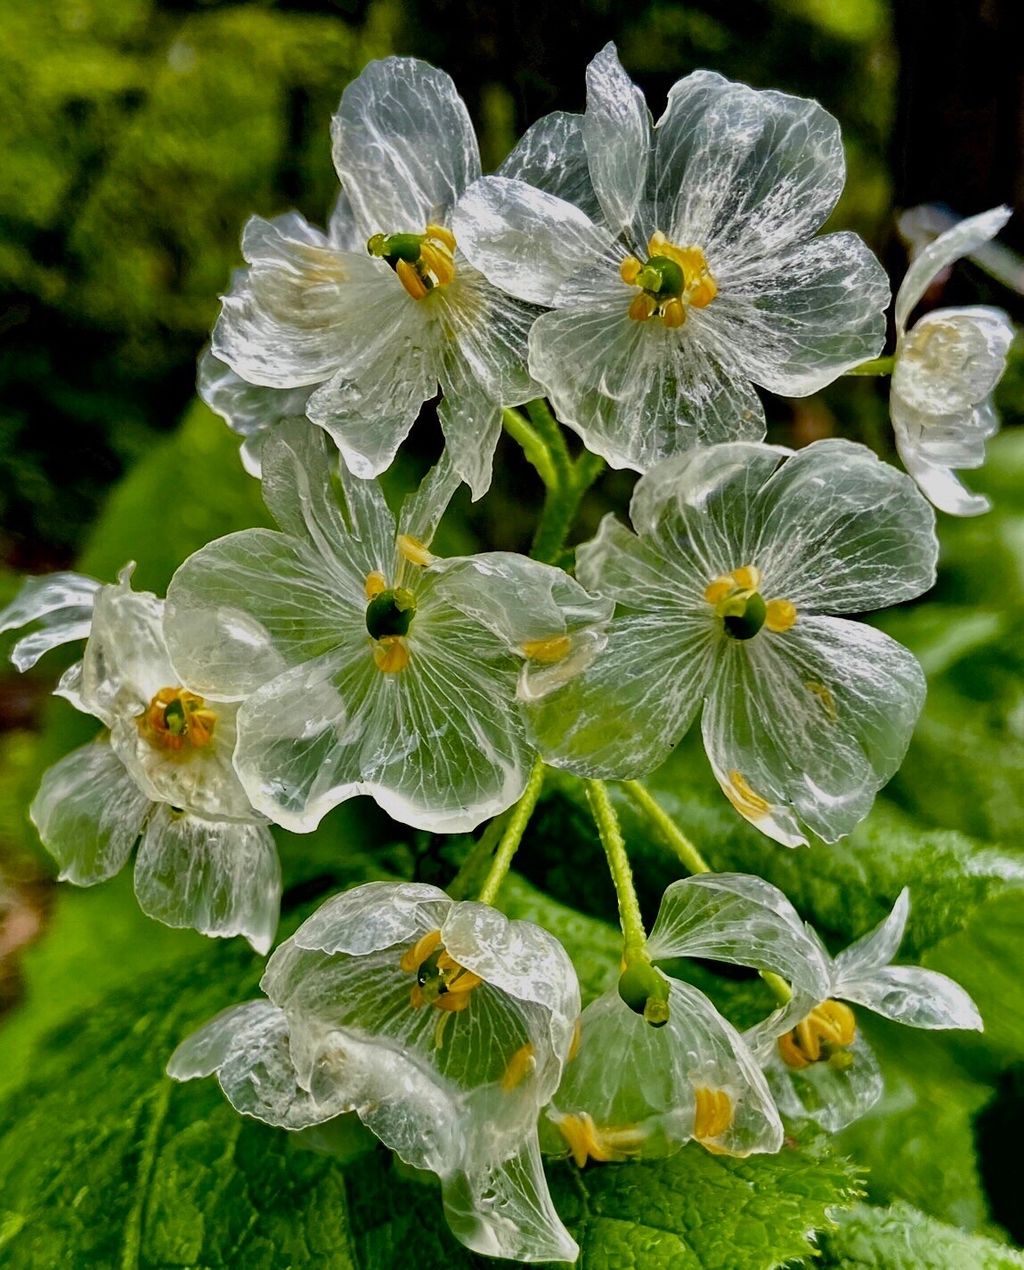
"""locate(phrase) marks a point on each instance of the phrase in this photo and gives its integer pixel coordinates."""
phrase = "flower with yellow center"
(161, 774)
(371, 319)
(450, 1074)
(679, 260)
(729, 599)
(367, 664)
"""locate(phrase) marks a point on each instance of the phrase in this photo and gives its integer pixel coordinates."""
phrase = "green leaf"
(901, 1238)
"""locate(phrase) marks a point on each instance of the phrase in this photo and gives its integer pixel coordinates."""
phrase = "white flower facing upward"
(740, 551)
(679, 260)
(641, 1087)
(947, 365)
(823, 1069)
(386, 308)
(368, 665)
(444, 1026)
(161, 774)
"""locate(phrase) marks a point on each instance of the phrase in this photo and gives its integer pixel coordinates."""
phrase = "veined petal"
(877, 948)
(938, 484)
(343, 230)
(911, 995)
(551, 156)
(219, 877)
(125, 661)
(961, 240)
(247, 1046)
(832, 1097)
(617, 136)
(952, 359)
(374, 916)
(841, 531)
(490, 330)
(62, 602)
(89, 812)
(404, 146)
(248, 409)
(804, 728)
(637, 392)
(470, 417)
(503, 1208)
(744, 173)
(525, 240)
(797, 321)
(422, 510)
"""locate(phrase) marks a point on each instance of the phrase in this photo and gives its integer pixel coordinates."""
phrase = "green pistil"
(390, 613)
(661, 278)
(744, 615)
(395, 247)
(645, 991)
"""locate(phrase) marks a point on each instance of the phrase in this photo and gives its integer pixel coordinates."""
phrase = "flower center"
(587, 1141)
(176, 720)
(824, 1036)
(671, 280)
(422, 261)
(744, 611)
(440, 980)
(389, 615)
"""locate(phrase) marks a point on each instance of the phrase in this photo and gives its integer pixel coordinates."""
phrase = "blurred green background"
(137, 136)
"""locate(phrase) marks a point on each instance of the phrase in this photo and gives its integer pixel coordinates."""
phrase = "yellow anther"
(442, 235)
(779, 615)
(829, 1027)
(437, 260)
(440, 980)
(713, 1113)
(747, 577)
(452, 1003)
(718, 590)
(176, 720)
(375, 584)
(574, 1044)
(673, 313)
(657, 243)
(409, 277)
(415, 956)
(465, 981)
(548, 651)
(587, 1141)
(740, 582)
(744, 799)
(520, 1065)
(628, 270)
(411, 549)
(390, 654)
(828, 702)
(643, 307)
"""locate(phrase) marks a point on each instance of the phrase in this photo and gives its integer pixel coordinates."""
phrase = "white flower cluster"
(643, 277)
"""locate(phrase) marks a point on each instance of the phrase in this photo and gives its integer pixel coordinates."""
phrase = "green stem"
(689, 857)
(781, 989)
(533, 445)
(513, 834)
(549, 429)
(633, 934)
(877, 366)
(480, 853)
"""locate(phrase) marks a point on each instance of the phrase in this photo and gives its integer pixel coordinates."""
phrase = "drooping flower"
(368, 664)
(376, 318)
(444, 1026)
(946, 367)
(823, 1068)
(160, 775)
(640, 1090)
(740, 551)
(678, 261)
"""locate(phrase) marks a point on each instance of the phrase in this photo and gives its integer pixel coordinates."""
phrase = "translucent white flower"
(947, 365)
(721, 594)
(822, 1068)
(367, 664)
(444, 1026)
(636, 1090)
(160, 775)
(678, 260)
(388, 308)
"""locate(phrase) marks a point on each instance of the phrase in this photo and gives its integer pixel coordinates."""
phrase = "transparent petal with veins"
(617, 137)
(61, 602)
(551, 156)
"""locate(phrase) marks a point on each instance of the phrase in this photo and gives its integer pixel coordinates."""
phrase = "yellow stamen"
(829, 1027)
(520, 1065)
(574, 1044)
(375, 584)
(698, 283)
(747, 577)
(643, 307)
(437, 261)
(587, 1141)
(673, 313)
(411, 549)
(177, 719)
(779, 615)
(744, 799)
(440, 980)
(713, 1113)
(442, 235)
(548, 651)
(451, 1002)
(390, 654)
(415, 956)
(410, 279)
(828, 702)
(628, 270)
(465, 981)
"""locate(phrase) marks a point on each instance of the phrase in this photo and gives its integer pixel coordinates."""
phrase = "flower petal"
(551, 156)
(805, 727)
(219, 877)
(404, 146)
(913, 996)
(841, 531)
(961, 240)
(951, 360)
(637, 392)
(63, 602)
(830, 1096)
(470, 417)
(422, 510)
(125, 661)
(939, 485)
(797, 321)
(525, 240)
(89, 813)
(617, 136)
(875, 949)
(743, 173)
(374, 916)
(248, 409)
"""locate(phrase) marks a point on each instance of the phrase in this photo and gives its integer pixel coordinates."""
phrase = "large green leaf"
(901, 1238)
